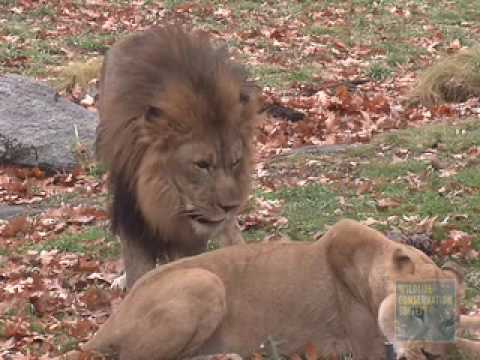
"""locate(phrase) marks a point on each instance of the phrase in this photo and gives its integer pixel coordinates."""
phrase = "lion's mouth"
(207, 221)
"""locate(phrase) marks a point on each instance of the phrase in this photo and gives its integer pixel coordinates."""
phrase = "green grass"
(44, 11)
(94, 43)
(392, 38)
(278, 77)
(270, 75)
(378, 71)
(454, 199)
(96, 242)
(449, 139)
(65, 343)
(308, 209)
(470, 177)
(387, 170)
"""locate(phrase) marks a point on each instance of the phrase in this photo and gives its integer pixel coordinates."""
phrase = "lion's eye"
(236, 162)
(202, 164)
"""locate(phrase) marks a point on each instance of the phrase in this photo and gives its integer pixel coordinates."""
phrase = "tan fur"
(171, 103)
(337, 293)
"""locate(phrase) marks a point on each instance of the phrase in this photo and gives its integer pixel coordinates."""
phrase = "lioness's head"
(414, 270)
(178, 124)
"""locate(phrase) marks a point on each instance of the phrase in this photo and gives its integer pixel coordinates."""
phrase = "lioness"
(176, 121)
(337, 293)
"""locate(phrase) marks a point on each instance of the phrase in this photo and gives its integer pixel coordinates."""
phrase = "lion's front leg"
(231, 234)
(138, 259)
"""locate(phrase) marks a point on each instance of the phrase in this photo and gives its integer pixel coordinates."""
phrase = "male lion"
(337, 293)
(176, 122)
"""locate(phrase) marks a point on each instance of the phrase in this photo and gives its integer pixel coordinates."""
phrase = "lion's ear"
(156, 115)
(402, 262)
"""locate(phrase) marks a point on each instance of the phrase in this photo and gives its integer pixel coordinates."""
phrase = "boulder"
(37, 127)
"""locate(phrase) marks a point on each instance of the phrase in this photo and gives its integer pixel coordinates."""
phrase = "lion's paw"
(120, 282)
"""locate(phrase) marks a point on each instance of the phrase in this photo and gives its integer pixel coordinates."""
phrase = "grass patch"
(44, 11)
(308, 210)
(79, 73)
(65, 343)
(454, 200)
(96, 242)
(379, 71)
(278, 77)
(387, 170)
(450, 139)
(399, 54)
(270, 75)
(453, 79)
(90, 42)
(470, 177)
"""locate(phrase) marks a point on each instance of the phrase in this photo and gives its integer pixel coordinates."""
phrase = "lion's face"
(414, 267)
(211, 178)
(194, 174)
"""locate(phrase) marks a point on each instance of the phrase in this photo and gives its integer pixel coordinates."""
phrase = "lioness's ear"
(456, 270)
(153, 113)
(402, 262)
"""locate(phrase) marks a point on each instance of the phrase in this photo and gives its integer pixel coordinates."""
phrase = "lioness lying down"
(337, 293)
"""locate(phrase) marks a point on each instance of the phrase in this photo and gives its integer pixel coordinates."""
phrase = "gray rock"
(37, 127)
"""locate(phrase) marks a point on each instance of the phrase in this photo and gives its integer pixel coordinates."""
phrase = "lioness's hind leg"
(176, 315)
(166, 316)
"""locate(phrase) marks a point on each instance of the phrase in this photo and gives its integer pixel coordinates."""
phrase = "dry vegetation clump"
(453, 79)
(78, 73)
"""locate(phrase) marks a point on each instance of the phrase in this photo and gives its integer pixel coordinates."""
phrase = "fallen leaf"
(387, 203)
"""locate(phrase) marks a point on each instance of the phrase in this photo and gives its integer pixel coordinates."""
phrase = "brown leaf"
(16, 329)
(96, 298)
(37, 173)
(44, 303)
(15, 187)
(443, 110)
(365, 187)
(426, 225)
(459, 243)
(81, 220)
(81, 328)
(21, 173)
(331, 122)
(387, 203)
(85, 265)
(15, 226)
(379, 104)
